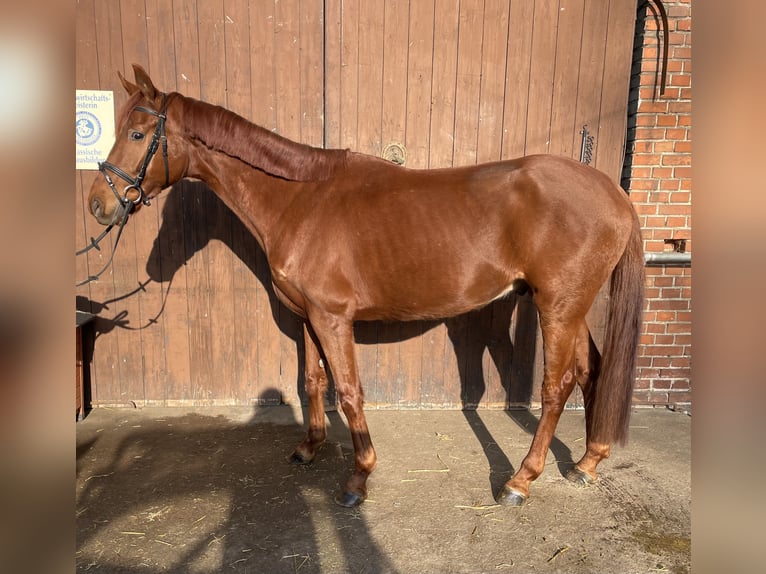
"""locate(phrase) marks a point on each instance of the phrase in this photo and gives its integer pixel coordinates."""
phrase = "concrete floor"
(210, 490)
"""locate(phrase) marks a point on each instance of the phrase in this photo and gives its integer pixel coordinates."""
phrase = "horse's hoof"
(511, 497)
(349, 499)
(298, 458)
(580, 478)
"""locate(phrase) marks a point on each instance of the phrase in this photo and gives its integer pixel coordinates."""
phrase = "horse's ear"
(145, 84)
(130, 88)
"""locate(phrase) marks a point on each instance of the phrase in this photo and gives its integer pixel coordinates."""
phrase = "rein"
(127, 204)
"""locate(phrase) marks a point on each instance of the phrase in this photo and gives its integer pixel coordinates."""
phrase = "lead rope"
(94, 243)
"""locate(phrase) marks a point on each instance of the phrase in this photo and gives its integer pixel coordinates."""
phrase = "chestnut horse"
(352, 237)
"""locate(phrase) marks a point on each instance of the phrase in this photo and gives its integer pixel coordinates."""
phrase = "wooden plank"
(288, 107)
(393, 124)
(312, 72)
(468, 81)
(149, 343)
(369, 107)
(86, 77)
(489, 148)
(244, 282)
(187, 40)
(566, 75)
(264, 113)
(614, 99)
(592, 53)
(419, 72)
(349, 75)
(124, 310)
(544, 34)
(493, 67)
(224, 383)
(332, 73)
(444, 77)
(517, 79)
(440, 379)
(104, 373)
(167, 257)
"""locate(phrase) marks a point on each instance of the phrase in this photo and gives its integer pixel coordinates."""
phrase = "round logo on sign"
(87, 128)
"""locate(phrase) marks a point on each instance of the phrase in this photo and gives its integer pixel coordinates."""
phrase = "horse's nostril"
(96, 208)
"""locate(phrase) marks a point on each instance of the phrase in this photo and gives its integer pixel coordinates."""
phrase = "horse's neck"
(256, 198)
(223, 130)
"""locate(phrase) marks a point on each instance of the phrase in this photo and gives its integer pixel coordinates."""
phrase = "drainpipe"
(668, 258)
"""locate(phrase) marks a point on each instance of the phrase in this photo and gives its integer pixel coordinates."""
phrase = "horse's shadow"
(193, 216)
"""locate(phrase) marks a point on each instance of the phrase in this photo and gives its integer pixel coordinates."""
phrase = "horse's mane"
(223, 130)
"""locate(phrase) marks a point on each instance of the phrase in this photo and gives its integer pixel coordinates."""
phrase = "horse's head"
(147, 156)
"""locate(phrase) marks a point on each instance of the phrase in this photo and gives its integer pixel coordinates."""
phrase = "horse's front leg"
(316, 387)
(336, 336)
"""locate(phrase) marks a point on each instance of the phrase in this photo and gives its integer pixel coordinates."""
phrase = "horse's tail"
(614, 388)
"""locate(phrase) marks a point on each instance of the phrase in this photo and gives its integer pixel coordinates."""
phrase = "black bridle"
(135, 182)
(126, 204)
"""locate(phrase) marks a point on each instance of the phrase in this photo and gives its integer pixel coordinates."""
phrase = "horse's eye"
(136, 136)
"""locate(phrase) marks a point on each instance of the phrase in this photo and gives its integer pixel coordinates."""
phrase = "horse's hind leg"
(587, 364)
(316, 386)
(558, 382)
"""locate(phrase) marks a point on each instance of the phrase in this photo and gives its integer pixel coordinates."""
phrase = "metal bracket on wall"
(586, 146)
(395, 152)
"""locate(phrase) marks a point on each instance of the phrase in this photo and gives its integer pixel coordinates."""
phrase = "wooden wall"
(186, 314)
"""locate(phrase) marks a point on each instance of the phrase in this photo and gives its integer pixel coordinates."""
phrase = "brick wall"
(657, 175)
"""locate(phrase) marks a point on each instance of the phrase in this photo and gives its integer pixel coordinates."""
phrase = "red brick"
(681, 197)
(683, 24)
(654, 133)
(671, 293)
(684, 93)
(683, 340)
(663, 146)
(682, 146)
(670, 184)
(659, 196)
(641, 147)
(645, 209)
(681, 172)
(679, 107)
(675, 222)
(679, 328)
(680, 362)
(651, 106)
(680, 53)
(655, 328)
(661, 362)
(661, 384)
(686, 184)
(666, 316)
(644, 184)
(676, 159)
(639, 196)
(660, 172)
(675, 11)
(675, 134)
(666, 120)
(647, 120)
(678, 39)
(649, 159)
(668, 304)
